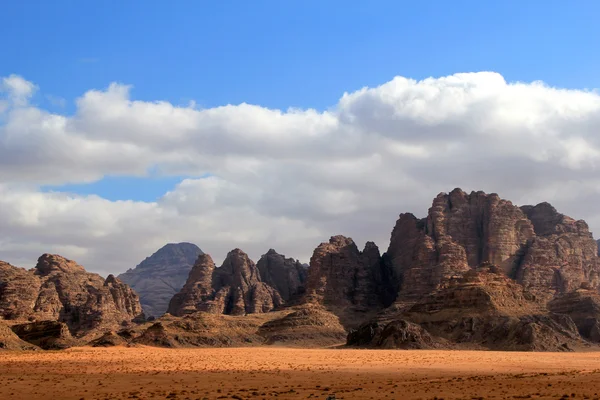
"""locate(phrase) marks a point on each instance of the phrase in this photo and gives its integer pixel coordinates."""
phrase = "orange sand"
(265, 373)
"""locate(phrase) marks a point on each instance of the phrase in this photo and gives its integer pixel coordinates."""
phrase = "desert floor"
(257, 373)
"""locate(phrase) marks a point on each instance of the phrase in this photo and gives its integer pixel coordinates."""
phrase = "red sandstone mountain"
(477, 272)
(60, 290)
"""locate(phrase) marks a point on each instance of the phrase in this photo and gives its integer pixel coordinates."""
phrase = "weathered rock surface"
(547, 252)
(286, 275)
(48, 335)
(203, 330)
(159, 277)
(235, 288)
(308, 325)
(197, 294)
(397, 334)
(343, 277)
(562, 257)
(10, 341)
(109, 339)
(583, 306)
(60, 290)
(482, 309)
(19, 291)
(461, 232)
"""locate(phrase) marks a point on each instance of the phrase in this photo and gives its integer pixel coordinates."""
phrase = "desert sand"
(257, 373)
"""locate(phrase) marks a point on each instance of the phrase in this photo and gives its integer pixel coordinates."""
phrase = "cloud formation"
(286, 179)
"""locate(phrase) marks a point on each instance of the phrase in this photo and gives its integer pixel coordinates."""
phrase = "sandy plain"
(283, 373)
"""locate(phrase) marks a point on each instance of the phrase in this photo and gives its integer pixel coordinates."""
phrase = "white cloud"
(18, 89)
(287, 179)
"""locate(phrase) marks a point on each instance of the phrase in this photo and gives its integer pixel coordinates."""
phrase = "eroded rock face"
(342, 276)
(286, 275)
(197, 294)
(482, 309)
(398, 334)
(19, 291)
(545, 251)
(159, 277)
(461, 232)
(10, 341)
(583, 307)
(58, 289)
(562, 257)
(48, 335)
(235, 288)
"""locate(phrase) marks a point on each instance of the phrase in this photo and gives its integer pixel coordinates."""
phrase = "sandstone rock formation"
(543, 250)
(48, 335)
(198, 294)
(397, 334)
(562, 257)
(235, 288)
(583, 306)
(60, 290)
(342, 277)
(286, 275)
(308, 325)
(159, 277)
(10, 341)
(482, 309)
(461, 232)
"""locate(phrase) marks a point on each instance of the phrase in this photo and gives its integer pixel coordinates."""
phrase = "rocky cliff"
(58, 289)
(482, 271)
(343, 277)
(543, 250)
(236, 288)
(159, 277)
(286, 275)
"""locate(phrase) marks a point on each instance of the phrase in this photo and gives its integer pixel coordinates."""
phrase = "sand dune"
(257, 373)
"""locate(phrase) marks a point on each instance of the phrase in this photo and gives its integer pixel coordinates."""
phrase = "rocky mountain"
(236, 288)
(342, 277)
(481, 271)
(286, 275)
(478, 272)
(60, 290)
(159, 277)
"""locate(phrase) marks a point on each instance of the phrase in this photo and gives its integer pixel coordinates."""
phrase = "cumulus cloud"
(286, 179)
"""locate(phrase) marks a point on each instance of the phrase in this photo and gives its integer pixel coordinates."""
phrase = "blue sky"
(282, 54)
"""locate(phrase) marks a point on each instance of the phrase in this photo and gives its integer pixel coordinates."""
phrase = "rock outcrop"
(197, 294)
(286, 275)
(60, 290)
(308, 325)
(397, 334)
(461, 232)
(561, 258)
(235, 288)
(159, 277)
(342, 277)
(543, 250)
(48, 335)
(10, 341)
(483, 309)
(19, 291)
(583, 307)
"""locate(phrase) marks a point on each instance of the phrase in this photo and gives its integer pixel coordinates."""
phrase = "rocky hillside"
(237, 287)
(480, 271)
(159, 277)
(60, 290)
(477, 272)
